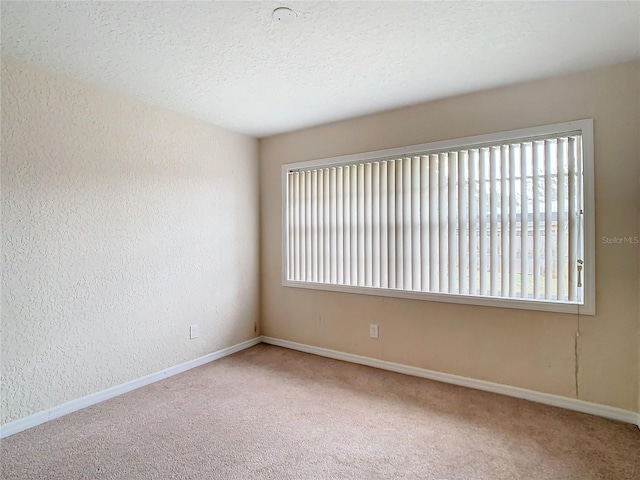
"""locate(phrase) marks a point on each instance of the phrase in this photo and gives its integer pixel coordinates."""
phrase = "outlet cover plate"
(194, 331)
(373, 330)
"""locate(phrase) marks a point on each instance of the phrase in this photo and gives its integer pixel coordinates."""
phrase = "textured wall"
(122, 224)
(527, 349)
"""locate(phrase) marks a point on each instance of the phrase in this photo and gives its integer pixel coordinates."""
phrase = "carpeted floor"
(273, 413)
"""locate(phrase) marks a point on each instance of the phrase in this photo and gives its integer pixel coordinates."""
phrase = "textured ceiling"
(231, 64)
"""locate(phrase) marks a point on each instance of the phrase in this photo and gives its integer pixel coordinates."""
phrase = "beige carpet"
(272, 413)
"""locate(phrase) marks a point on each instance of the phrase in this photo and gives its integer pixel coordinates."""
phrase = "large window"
(503, 219)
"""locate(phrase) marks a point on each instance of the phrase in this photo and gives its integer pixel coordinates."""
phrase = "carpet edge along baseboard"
(582, 406)
(58, 411)
(612, 413)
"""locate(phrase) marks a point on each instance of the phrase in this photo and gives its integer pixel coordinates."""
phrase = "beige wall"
(122, 224)
(533, 350)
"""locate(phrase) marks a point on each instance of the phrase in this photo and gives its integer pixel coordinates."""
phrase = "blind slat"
(308, 235)
(452, 221)
(483, 254)
(375, 223)
(493, 221)
(307, 227)
(474, 273)
(573, 219)
(302, 211)
(524, 221)
(399, 229)
(424, 222)
(443, 221)
(562, 219)
(463, 221)
(548, 221)
(513, 250)
(340, 226)
(368, 226)
(416, 281)
(314, 226)
(321, 226)
(407, 198)
(504, 196)
(346, 230)
(384, 229)
(361, 227)
(327, 229)
(391, 210)
(434, 224)
(291, 219)
(354, 225)
(296, 224)
(536, 219)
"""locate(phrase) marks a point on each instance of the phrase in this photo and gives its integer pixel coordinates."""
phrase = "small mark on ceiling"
(284, 15)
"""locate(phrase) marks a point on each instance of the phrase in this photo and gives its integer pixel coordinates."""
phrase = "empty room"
(320, 240)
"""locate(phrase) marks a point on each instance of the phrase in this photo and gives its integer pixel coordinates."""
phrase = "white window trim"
(585, 126)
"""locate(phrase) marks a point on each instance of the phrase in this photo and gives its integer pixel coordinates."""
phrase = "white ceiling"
(231, 64)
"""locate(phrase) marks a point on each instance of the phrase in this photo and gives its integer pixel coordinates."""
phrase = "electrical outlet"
(373, 330)
(194, 331)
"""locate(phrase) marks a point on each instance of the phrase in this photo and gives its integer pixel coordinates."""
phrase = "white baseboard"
(539, 397)
(83, 402)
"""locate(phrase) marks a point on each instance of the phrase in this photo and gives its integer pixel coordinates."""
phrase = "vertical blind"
(495, 220)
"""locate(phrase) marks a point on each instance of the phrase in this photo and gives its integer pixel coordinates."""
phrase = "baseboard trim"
(44, 416)
(605, 411)
(30, 421)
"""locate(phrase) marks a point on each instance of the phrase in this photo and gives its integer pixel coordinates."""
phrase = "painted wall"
(533, 350)
(122, 225)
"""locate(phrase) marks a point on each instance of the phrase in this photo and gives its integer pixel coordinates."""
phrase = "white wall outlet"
(194, 331)
(373, 330)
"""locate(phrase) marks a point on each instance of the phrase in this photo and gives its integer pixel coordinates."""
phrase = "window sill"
(538, 305)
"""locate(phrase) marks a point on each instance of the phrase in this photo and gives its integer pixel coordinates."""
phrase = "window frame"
(584, 126)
